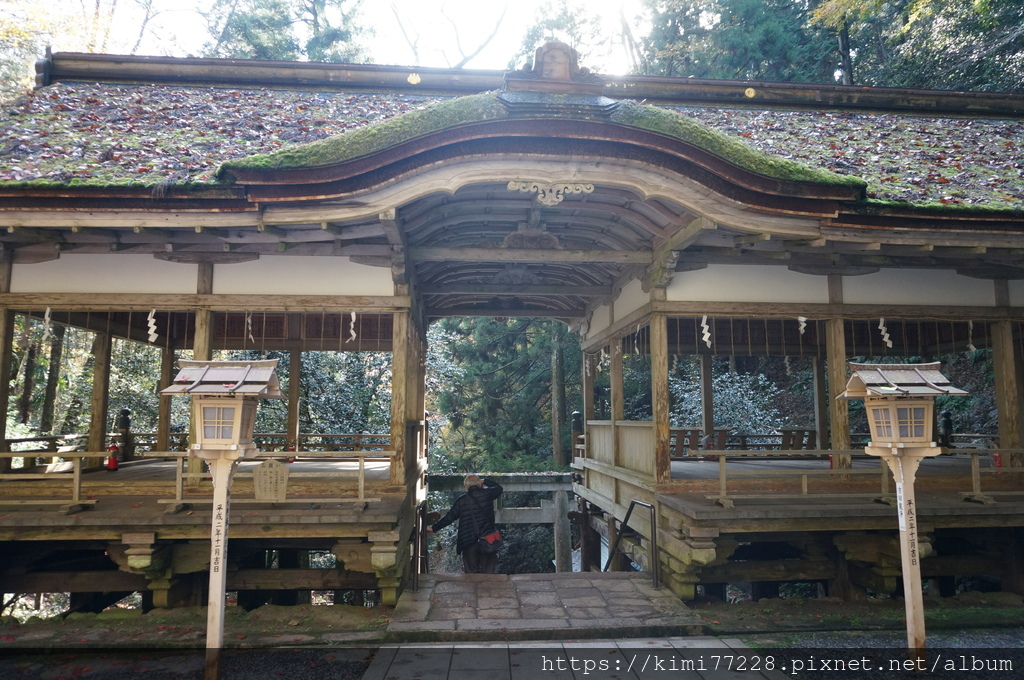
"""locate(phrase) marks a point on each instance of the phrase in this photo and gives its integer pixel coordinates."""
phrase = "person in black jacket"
(475, 514)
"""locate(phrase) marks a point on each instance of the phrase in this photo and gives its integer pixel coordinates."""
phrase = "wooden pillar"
(835, 346)
(294, 391)
(660, 396)
(588, 375)
(163, 416)
(101, 347)
(1007, 368)
(707, 400)
(399, 393)
(820, 402)
(6, 355)
(618, 398)
(202, 350)
(563, 532)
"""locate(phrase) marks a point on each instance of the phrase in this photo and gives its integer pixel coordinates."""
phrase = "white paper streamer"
(885, 333)
(248, 327)
(706, 335)
(803, 323)
(152, 324)
(970, 335)
(636, 340)
(352, 328)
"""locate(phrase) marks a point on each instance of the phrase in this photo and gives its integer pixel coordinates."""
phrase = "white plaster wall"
(745, 283)
(302, 276)
(601, 319)
(104, 274)
(630, 299)
(1017, 293)
(917, 287)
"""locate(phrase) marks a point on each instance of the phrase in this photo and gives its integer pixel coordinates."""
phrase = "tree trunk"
(52, 379)
(846, 61)
(561, 459)
(28, 385)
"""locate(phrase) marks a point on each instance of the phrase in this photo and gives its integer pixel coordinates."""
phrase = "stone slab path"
(538, 607)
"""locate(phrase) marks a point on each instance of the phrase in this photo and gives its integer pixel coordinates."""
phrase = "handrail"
(420, 556)
(654, 541)
(181, 474)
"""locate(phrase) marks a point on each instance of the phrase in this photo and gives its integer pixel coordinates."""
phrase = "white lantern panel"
(882, 423)
(218, 422)
(911, 420)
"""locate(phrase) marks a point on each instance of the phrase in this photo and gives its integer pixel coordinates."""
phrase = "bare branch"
(413, 44)
(466, 58)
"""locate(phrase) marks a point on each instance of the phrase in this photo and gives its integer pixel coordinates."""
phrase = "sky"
(438, 27)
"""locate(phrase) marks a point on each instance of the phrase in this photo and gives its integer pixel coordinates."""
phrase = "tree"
(945, 44)
(737, 39)
(571, 24)
(492, 409)
(316, 30)
(455, 54)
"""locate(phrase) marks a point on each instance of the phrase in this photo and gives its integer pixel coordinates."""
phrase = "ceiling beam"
(429, 254)
(515, 290)
(576, 313)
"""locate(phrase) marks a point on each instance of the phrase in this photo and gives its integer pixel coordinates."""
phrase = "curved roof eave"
(480, 124)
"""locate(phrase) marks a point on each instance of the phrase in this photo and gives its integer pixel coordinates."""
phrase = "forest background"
(499, 388)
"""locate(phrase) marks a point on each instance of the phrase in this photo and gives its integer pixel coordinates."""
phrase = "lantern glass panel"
(218, 422)
(911, 422)
(881, 422)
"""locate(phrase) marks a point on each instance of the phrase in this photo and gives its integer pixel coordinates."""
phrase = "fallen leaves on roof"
(913, 159)
(123, 134)
(146, 134)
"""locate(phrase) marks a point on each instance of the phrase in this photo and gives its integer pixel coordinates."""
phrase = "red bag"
(489, 543)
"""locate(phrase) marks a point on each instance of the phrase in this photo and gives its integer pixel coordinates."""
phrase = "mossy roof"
(103, 134)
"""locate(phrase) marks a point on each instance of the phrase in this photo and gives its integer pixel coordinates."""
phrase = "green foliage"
(744, 402)
(490, 393)
(314, 30)
(737, 39)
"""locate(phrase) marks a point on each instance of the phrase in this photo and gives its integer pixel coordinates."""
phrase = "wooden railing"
(359, 475)
(67, 473)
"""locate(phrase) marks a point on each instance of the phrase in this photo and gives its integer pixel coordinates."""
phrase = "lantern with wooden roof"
(900, 401)
(224, 399)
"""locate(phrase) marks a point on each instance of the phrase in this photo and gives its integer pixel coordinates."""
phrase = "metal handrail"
(420, 556)
(654, 541)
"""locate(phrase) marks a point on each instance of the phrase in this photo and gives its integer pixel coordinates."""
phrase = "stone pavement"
(693, 658)
(477, 607)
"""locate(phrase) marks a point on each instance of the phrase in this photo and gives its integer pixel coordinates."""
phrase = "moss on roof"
(366, 140)
(699, 134)
(85, 134)
(483, 107)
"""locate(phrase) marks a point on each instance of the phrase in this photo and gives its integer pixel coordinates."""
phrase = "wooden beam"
(399, 394)
(163, 428)
(294, 391)
(506, 312)
(431, 254)
(98, 425)
(503, 290)
(707, 397)
(300, 579)
(254, 303)
(660, 397)
(769, 570)
(1008, 367)
(74, 582)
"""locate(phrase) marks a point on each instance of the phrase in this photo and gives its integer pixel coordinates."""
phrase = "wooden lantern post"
(224, 399)
(900, 401)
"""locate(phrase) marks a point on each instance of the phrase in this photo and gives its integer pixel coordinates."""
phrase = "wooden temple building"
(201, 205)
